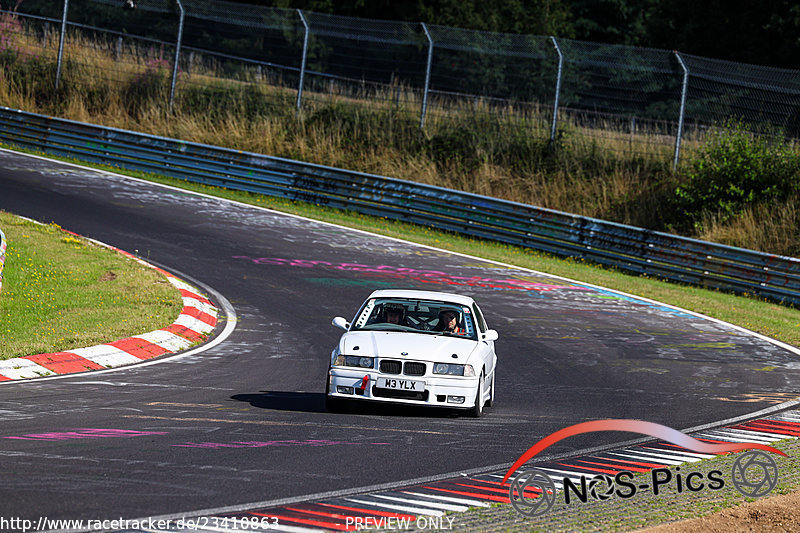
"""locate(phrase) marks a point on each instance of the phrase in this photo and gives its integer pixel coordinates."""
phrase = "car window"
(479, 318)
(415, 316)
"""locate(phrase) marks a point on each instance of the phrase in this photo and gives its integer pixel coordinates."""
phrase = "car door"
(486, 347)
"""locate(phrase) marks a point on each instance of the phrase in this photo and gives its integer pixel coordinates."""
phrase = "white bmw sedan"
(417, 348)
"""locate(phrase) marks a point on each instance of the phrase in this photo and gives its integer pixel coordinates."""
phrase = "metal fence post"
(558, 90)
(61, 43)
(303, 62)
(427, 77)
(177, 58)
(684, 89)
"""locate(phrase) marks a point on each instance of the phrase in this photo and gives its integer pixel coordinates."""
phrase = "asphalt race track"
(245, 422)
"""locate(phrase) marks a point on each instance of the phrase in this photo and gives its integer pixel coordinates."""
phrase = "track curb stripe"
(196, 321)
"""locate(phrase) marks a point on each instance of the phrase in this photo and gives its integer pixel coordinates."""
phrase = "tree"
(736, 30)
(611, 21)
(536, 17)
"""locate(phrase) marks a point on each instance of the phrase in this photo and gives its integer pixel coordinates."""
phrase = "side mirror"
(490, 335)
(340, 323)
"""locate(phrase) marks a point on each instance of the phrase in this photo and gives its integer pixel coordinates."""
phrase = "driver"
(448, 322)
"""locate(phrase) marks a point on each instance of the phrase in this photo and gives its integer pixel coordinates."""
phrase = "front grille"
(414, 369)
(391, 367)
(400, 394)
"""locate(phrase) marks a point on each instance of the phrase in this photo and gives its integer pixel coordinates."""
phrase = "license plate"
(401, 384)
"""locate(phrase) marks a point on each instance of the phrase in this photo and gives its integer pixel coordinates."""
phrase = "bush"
(735, 169)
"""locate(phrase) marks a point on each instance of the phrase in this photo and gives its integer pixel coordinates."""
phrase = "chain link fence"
(638, 100)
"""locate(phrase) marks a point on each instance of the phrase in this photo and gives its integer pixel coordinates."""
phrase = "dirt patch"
(775, 514)
(108, 276)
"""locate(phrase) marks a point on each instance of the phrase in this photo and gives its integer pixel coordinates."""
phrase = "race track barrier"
(628, 248)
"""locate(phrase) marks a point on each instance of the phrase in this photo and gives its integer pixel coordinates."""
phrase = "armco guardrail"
(626, 247)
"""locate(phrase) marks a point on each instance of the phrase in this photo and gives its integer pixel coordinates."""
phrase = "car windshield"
(416, 316)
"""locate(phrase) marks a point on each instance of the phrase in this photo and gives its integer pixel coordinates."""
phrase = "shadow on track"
(314, 402)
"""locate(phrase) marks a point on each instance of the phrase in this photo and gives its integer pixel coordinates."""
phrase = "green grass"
(61, 292)
(759, 315)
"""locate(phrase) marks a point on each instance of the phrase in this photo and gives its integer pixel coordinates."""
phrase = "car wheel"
(490, 401)
(335, 405)
(477, 409)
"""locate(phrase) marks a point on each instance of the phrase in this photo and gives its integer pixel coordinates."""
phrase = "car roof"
(422, 295)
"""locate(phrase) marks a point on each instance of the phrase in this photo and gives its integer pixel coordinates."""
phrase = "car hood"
(417, 346)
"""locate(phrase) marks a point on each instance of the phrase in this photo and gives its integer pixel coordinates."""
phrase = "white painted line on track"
(19, 368)
(471, 503)
(756, 436)
(105, 355)
(681, 453)
(765, 434)
(788, 417)
(165, 339)
(395, 507)
(574, 476)
(647, 458)
(727, 438)
(199, 305)
(416, 501)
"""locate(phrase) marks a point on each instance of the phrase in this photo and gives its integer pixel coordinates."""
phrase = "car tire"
(477, 409)
(490, 401)
(335, 405)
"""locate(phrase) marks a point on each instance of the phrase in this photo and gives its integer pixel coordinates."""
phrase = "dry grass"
(766, 227)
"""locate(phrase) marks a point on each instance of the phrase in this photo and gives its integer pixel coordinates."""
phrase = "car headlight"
(354, 360)
(453, 370)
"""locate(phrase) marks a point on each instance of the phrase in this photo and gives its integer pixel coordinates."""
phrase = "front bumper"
(440, 391)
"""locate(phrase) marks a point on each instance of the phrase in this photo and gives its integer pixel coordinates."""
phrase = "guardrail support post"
(177, 58)
(684, 90)
(427, 77)
(558, 90)
(61, 43)
(303, 62)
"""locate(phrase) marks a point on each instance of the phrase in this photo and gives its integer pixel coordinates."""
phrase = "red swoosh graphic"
(635, 426)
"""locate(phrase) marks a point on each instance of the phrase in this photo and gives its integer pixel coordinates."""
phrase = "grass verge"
(62, 292)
